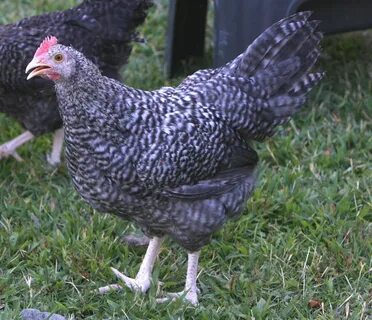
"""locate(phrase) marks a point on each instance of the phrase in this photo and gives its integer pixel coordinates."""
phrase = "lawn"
(302, 250)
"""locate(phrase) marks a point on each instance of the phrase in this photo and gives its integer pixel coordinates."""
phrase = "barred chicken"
(101, 29)
(178, 161)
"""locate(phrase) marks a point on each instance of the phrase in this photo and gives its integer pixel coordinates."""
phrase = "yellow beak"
(37, 68)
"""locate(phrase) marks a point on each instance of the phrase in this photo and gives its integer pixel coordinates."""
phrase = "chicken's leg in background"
(54, 158)
(10, 148)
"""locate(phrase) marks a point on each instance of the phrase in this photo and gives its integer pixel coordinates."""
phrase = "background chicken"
(177, 161)
(101, 29)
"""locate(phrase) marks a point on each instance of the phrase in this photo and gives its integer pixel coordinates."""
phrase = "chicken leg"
(190, 293)
(9, 148)
(143, 279)
(54, 158)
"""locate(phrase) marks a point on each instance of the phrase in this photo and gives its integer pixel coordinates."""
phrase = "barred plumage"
(177, 161)
(102, 30)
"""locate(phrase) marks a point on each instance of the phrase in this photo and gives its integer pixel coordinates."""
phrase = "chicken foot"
(141, 283)
(9, 148)
(190, 293)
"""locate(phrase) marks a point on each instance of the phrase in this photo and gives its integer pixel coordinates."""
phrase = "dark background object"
(186, 32)
(238, 22)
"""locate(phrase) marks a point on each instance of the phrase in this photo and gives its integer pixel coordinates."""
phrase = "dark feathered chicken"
(101, 29)
(177, 161)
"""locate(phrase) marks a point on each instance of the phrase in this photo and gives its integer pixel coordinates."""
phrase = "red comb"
(45, 45)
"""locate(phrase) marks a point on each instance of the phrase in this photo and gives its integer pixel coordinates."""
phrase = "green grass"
(306, 234)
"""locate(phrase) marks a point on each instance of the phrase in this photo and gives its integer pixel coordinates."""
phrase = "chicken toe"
(141, 283)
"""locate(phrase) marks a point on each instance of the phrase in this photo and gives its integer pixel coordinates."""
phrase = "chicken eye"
(58, 57)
